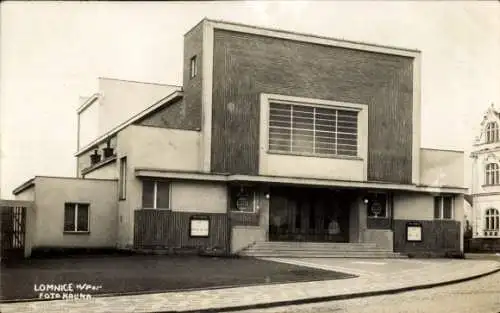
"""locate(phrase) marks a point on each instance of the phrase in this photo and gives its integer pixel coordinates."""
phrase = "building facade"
(274, 136)
(486, 182)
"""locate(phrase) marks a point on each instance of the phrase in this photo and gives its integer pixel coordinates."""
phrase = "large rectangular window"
(123, 178)
(312, 130)
(443, 207)
(155, 194)
(76, 217)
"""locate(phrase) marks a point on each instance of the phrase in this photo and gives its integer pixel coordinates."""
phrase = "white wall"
(51, 195)
(26, 195)
(244, 236)
(108, 171)
(413, 206)
(206, 197)
(481, 204)
(163, 148)
(89, 124)
(120, 100)
(479, 169)
(151, 147)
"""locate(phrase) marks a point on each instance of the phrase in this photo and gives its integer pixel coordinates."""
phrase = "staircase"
(318, 250)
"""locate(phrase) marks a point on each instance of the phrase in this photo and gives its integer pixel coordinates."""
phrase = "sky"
(52, 53)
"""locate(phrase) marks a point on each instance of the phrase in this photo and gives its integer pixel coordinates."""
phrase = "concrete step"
(298, 250)
(306, 247)
(366, 255)
(318, 249)
(314, 244)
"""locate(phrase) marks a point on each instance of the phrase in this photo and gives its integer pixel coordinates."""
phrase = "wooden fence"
(166, 229)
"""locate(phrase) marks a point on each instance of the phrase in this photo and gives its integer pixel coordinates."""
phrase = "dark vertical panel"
(246, 65)
(437, 236)
(170, 230)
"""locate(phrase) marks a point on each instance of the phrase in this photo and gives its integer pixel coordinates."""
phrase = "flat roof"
(311, 38)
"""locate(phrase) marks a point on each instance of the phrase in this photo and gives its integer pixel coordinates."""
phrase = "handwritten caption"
(69, 291)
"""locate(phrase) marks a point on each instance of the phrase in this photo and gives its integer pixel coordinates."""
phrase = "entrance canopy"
(164, 173)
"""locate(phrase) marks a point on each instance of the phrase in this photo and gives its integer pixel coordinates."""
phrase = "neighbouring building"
(485, 215)
(274, 136)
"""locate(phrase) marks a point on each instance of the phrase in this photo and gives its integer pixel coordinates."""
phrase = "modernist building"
(274, 136)
(486, 180)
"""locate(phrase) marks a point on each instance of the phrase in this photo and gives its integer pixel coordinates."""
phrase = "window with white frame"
(155, 194)
(243, 199)
(123, 179)
(76, 217)
(443, 207)
(313, 130)
(492, 134)
(492, 220)
(492, 174)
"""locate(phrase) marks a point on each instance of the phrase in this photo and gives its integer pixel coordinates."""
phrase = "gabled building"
(486, 181)
(274, 136)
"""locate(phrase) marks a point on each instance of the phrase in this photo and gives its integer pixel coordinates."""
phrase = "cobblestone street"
(476, 296)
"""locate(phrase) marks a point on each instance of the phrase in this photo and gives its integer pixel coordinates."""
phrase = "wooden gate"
(13, 228)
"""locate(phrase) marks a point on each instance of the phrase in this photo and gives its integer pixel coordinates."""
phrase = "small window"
(378, 205)
(492, 132)
(492, 222)
(193, 67)
(123, 178)
(492, 174)
(76, 217)
(443, 207)
(155, 195)
(243, 199)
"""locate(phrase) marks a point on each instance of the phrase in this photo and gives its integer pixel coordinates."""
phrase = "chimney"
(95, 158)
(107, 151)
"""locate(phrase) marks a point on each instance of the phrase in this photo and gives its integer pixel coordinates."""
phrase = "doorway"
(309, 214)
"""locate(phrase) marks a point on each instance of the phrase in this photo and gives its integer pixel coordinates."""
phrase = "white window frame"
(334, 133)
(75, 230)
(492, 132)
(492, 217)
(193, 66)
(441, 208)
(362, 122)
(155, 195)
(492, 174)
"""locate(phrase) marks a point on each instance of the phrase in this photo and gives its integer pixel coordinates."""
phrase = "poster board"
(199, 226)
(413, 232)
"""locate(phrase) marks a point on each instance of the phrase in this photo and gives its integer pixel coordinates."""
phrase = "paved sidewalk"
(408, 277)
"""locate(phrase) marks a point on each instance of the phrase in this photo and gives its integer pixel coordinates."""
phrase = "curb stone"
(333, 297)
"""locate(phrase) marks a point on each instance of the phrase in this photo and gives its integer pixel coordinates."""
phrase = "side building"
(486, 184)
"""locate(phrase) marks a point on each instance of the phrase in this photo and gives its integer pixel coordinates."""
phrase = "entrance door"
(300, 214)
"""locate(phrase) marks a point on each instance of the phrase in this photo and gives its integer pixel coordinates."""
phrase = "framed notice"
(199, 226)
(413, 232)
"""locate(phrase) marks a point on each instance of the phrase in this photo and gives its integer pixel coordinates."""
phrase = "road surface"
(476, 296)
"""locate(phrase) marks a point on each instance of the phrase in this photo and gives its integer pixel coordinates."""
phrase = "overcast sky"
(52, 53)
